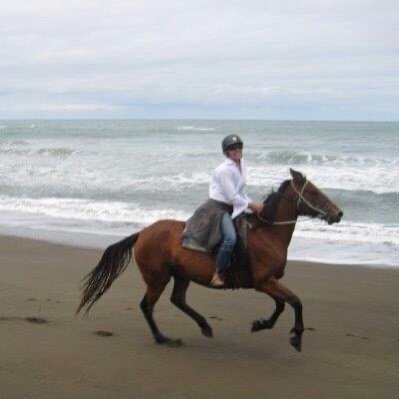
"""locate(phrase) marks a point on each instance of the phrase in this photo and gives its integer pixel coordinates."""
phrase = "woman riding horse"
(160, 256)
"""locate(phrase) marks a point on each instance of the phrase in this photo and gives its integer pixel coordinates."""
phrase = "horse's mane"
(270, 203)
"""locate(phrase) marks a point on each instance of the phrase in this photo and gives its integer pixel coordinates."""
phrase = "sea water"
(94, 182)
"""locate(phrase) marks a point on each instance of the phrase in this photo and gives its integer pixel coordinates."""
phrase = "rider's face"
(235, 154)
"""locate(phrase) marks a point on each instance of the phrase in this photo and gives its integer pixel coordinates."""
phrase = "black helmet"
(231, 140)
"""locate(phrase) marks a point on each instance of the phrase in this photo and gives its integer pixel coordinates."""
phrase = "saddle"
(238, 274)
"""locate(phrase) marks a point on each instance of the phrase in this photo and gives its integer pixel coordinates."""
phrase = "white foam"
(86, 210)
(349, 231)
(343, 252)
(195, 128)
(375, 179)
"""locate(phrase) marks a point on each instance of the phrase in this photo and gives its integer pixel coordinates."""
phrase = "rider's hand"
(255, 207)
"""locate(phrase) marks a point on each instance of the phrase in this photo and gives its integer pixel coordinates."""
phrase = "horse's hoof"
(258, 325)
(296, 343)
(173, 343)
(207, 332)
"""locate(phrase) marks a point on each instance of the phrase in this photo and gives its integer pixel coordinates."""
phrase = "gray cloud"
(206, 59)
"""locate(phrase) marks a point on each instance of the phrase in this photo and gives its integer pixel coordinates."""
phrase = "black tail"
(113, 263)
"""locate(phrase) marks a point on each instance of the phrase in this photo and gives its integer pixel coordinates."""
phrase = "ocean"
(91, 183)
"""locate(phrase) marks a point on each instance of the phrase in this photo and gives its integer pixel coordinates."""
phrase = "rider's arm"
(231, 192)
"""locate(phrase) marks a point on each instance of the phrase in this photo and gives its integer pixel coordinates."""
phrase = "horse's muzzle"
(335, 218)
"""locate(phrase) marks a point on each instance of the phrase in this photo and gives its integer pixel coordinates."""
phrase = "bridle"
(301, 198)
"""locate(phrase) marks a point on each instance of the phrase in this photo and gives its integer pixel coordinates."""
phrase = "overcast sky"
(249, 59)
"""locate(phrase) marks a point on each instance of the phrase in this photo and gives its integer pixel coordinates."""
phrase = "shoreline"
(108, 240)
(350, 347)
(87, 239)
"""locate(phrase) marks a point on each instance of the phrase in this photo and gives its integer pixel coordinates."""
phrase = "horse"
(159, 254)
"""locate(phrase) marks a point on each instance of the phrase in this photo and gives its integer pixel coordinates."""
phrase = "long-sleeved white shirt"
(227, 185)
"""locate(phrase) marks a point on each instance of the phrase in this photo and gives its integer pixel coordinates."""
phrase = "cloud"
(255, 59)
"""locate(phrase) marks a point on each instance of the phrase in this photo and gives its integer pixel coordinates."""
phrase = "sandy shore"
(350, 347)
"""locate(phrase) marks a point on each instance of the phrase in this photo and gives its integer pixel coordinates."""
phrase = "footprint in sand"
(103, 333)
(34, 320)
(310, 329)
(356, 336)
(216, 318)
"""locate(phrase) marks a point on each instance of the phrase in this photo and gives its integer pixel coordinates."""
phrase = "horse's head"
(312, 202)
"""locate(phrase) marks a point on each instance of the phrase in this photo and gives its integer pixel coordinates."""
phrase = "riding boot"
(217, 281)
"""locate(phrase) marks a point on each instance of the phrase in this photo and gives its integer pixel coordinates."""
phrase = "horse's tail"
(113, 263)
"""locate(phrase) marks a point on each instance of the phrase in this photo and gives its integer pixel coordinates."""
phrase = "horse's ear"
(297, 176)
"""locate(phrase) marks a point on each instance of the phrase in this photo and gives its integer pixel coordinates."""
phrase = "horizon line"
(198, 119)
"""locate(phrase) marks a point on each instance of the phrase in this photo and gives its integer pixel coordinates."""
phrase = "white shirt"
(227, 185)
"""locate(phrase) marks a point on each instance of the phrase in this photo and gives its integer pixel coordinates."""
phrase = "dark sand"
(350, 347)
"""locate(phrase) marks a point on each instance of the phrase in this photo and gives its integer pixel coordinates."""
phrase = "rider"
(227, 186)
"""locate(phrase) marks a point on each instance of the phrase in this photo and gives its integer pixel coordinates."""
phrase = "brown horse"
(159, 255)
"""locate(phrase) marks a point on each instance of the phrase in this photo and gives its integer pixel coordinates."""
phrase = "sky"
(249, 59)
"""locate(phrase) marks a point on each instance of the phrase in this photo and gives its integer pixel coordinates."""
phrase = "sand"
(350, 347)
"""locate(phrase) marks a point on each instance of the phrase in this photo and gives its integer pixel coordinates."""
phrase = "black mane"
(270, 203)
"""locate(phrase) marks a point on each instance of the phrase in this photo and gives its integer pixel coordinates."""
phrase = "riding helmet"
(231, 140)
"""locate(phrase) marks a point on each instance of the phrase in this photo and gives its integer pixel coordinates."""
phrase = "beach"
(350, 345)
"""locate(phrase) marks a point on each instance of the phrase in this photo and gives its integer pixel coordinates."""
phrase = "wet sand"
(350, 346)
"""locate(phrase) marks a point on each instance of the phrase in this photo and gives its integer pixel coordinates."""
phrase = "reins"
(301, 198)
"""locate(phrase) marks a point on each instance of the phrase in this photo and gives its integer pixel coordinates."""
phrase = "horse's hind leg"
(147, 306)
(178, 298)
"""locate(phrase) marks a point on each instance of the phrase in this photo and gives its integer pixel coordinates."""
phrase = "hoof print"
(103, 333)
(36, 320)
(216, 318)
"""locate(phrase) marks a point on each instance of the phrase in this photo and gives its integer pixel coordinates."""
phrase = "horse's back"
(158, 238)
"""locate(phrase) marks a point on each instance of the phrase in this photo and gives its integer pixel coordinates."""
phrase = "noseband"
(301, 198)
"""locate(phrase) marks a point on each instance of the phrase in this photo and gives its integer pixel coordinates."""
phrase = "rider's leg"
(226, 248)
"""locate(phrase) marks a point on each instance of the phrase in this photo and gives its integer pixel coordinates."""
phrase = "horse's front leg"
(281, 294)
(269, 323)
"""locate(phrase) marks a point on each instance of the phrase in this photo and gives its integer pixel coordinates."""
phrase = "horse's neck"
(286, 212)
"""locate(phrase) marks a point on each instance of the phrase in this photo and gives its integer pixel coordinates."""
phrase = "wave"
(349, 232)
(18, 143)
(178, 181)
(51, 181)
(195, 128)
(60, 152)
(117, 211)
(87, 210)
(344, 253)
(292, 157)
(378, 179)
(57, 152)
